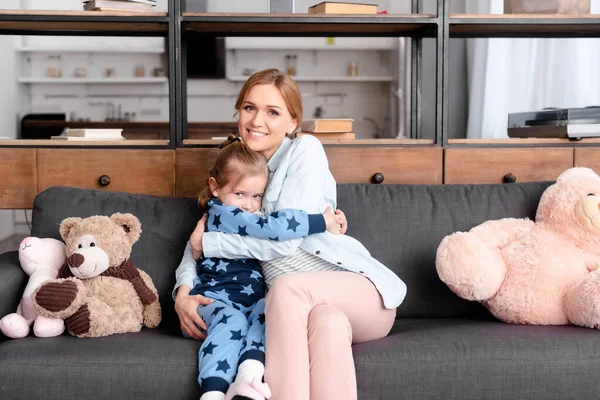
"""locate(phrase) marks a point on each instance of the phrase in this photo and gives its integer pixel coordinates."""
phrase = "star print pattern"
(236, 319)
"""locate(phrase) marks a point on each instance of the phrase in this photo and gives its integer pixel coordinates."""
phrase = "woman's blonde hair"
(286, 86)
(234, 162)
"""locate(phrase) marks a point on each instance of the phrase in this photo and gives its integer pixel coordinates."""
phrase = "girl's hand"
(334, 222)
(341, 219)
(186, 307)
(196, 238)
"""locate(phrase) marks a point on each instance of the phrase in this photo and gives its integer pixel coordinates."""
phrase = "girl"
(326, 291)
(235, 317)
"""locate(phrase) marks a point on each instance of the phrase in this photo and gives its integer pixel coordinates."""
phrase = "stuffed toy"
(41, 259)
(99, 291)
(543, 272)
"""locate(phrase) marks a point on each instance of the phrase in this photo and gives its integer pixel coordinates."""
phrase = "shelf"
(98, 23)
(523, 141)
(310, 44)
(40, 49)
(422, 25)
(92, 80)
(67, 143)
(326, 78)
(356, 142)
(524, 25)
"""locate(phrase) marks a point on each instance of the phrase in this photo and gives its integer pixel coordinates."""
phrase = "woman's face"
(264, 120)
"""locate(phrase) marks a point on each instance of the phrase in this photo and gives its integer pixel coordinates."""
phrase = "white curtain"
(515, 75)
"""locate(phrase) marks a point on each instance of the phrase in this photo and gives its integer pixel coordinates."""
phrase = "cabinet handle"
(104, 180)
(509, 178)
(377, 178)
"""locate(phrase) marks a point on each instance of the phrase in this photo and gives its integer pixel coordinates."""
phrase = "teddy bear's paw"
(58, 299)
(79, 324)
(14, 326)
(48, 327)
(152, 315)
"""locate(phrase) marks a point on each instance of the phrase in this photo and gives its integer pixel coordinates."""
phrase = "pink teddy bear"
(542, 273)
(42, 260)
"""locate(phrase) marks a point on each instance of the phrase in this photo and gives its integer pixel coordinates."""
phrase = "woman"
(326, 291)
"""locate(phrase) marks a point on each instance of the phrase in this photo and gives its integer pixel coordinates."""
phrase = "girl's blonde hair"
(234, 162)
(286, 86)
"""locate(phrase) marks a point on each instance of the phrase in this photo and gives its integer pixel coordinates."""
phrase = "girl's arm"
(281, 225)
(303, 189)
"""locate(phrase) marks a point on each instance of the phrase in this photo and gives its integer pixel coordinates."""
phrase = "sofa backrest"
(402, 226)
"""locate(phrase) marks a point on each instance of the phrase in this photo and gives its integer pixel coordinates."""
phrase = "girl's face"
(246, 194)
(264, 120)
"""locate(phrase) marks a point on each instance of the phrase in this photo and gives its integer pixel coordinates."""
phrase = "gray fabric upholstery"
(456, 358)
(402, 226)
(166, 226)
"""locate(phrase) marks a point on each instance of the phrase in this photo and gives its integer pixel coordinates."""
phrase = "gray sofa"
(441, 346)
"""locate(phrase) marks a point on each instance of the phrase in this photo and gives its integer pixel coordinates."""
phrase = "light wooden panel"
(134, 171)
(489, 165)
(588, 157)
(420, 165)
(18, 179)
(191, 169)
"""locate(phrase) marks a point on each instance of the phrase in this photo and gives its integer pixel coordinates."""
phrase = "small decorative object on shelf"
(546, 6)
(53, 72)
(352, 69)
(80, 72)
(332, 7)
(158, 71)
(140, 71)
(290, 64)
(109, 72)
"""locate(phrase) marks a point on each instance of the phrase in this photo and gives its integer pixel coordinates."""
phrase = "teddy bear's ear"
(130, 224)
(577, 173)
(66, 225)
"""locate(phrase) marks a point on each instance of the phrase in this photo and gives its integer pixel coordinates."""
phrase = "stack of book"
(336, 128)
(335, 7)
(90, 134)
(119, 5)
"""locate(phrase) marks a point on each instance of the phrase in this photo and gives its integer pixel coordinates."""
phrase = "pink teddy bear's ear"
(577, 173)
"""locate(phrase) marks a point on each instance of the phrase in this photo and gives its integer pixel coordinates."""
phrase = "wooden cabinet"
(18, 183)
(588, 157)
(347, 164)
(134, 171)
(395, 164)
(506, 165)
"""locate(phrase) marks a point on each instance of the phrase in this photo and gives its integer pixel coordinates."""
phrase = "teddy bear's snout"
(75, 260)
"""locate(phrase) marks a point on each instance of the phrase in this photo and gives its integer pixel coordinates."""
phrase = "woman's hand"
(342, 220)
(196, 238)
(335, 223)
(186, 307)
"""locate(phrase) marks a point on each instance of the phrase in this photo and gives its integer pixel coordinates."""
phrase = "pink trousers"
(312, 320)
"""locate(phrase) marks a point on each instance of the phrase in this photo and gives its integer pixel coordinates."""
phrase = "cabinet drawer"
(501, 165)
(133, 171)
(416, 165)
(588, 157)
(18, 184)
(191, 170)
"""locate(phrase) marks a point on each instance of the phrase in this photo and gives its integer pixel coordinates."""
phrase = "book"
(327, 125)
(333, 7)
(117, 5)
(83, 139)
(94, 133)
(330, 136)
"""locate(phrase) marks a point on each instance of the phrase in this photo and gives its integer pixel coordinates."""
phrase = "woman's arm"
(303, 188)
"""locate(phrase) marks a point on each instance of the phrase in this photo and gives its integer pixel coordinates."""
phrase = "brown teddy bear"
(100, 292)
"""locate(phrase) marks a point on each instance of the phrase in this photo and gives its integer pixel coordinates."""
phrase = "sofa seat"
(462, 358)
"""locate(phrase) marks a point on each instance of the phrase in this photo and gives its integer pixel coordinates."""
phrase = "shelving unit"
(108, 81)
(43, 49)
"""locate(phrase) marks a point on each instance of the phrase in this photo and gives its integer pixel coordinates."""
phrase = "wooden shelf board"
(524, 25)
(312, 24)
(357, 142)
(524, 141)
(83, 22)
(61, 143)
(359, 78)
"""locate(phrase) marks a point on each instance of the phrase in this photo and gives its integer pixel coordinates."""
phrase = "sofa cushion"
(166, 226)
(150, 364)
(402, 226)
(458, 358)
